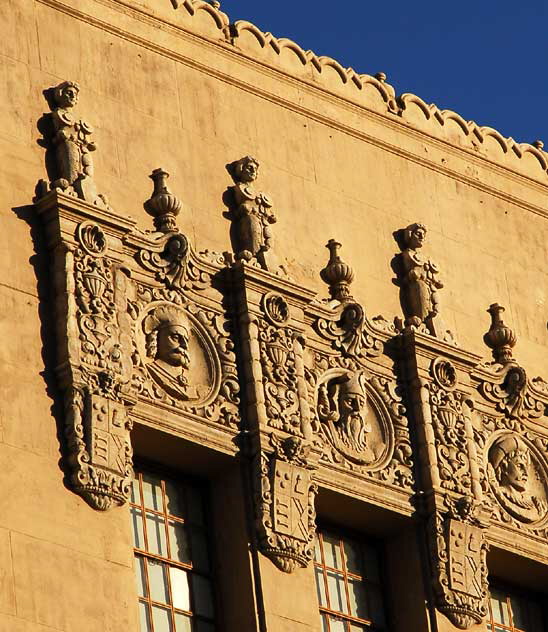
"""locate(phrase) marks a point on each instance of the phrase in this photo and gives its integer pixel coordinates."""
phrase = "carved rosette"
(284, 494)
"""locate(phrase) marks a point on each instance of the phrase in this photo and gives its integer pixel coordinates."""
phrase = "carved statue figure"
(510, 459)
(342, 406)
(419, 281)
(252, 215)
(73, 145)
(167, 342)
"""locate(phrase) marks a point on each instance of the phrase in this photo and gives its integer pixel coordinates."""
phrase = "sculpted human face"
(352, 405)
(515, 471)
(173, 345)
(69, 96)
(417, 238)
(249, 171)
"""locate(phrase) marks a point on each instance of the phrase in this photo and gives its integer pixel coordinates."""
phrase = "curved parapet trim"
(446, 125)
(194, 7)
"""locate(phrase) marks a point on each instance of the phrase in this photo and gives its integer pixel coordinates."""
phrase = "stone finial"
(381, 76)
(337, 274)
(500, 338)
(163, 205)
(538, 144)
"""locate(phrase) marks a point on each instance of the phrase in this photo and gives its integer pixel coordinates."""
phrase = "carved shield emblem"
(291, 487)
(465, 558)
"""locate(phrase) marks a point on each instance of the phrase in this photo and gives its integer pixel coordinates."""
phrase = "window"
(348, 584)
(512, 611)
(172, 562)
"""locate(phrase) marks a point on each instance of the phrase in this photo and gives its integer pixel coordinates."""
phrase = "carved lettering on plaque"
(465, 542)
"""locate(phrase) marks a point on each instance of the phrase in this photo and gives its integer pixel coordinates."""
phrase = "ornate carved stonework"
(458, 552)
(93, 354)
(73, 146)
(419, 284)
(138, 323)
(97, 432)
(284, 502)
(252, 216)
(518, 478)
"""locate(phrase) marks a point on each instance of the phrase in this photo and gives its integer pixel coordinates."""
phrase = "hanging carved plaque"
(284, 502)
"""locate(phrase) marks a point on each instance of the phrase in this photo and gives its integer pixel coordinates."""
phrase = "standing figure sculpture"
(73, 146)
(167, 343)
(252, 215)
(419, 283)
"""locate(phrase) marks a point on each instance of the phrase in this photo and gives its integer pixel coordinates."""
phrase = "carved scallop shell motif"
(444, 373)
(92, 238)
(275, 308)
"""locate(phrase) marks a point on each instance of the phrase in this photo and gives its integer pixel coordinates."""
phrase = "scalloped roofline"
(410, 108)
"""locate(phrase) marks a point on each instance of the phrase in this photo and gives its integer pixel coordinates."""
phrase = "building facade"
(296, 379)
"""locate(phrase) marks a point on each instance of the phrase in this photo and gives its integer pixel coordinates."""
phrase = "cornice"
(393, 116)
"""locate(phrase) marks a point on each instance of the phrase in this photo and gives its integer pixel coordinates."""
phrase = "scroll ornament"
(347, 326)
(505, 383)
(284, 502)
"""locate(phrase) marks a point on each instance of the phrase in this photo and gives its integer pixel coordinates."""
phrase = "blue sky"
(486, 60)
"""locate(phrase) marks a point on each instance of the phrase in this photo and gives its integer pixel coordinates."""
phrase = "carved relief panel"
(139, 322)
(357, 411)
(513, 438)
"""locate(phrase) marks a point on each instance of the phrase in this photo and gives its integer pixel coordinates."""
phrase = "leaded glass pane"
(156, 534)
(180, 589)
(178, 542)
(182, 623)
(336, 591)
(140, 576)
(144, 617)
(157, 581)
(152, 492)
(137, 524)
(332, 551)
(161, 619)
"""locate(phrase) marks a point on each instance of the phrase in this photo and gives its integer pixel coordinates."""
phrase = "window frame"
(363, 540)
(510, 590)
(180, 479)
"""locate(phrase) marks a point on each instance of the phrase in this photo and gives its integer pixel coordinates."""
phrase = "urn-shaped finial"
(163, 205)
(500, 338)
(337, 274)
